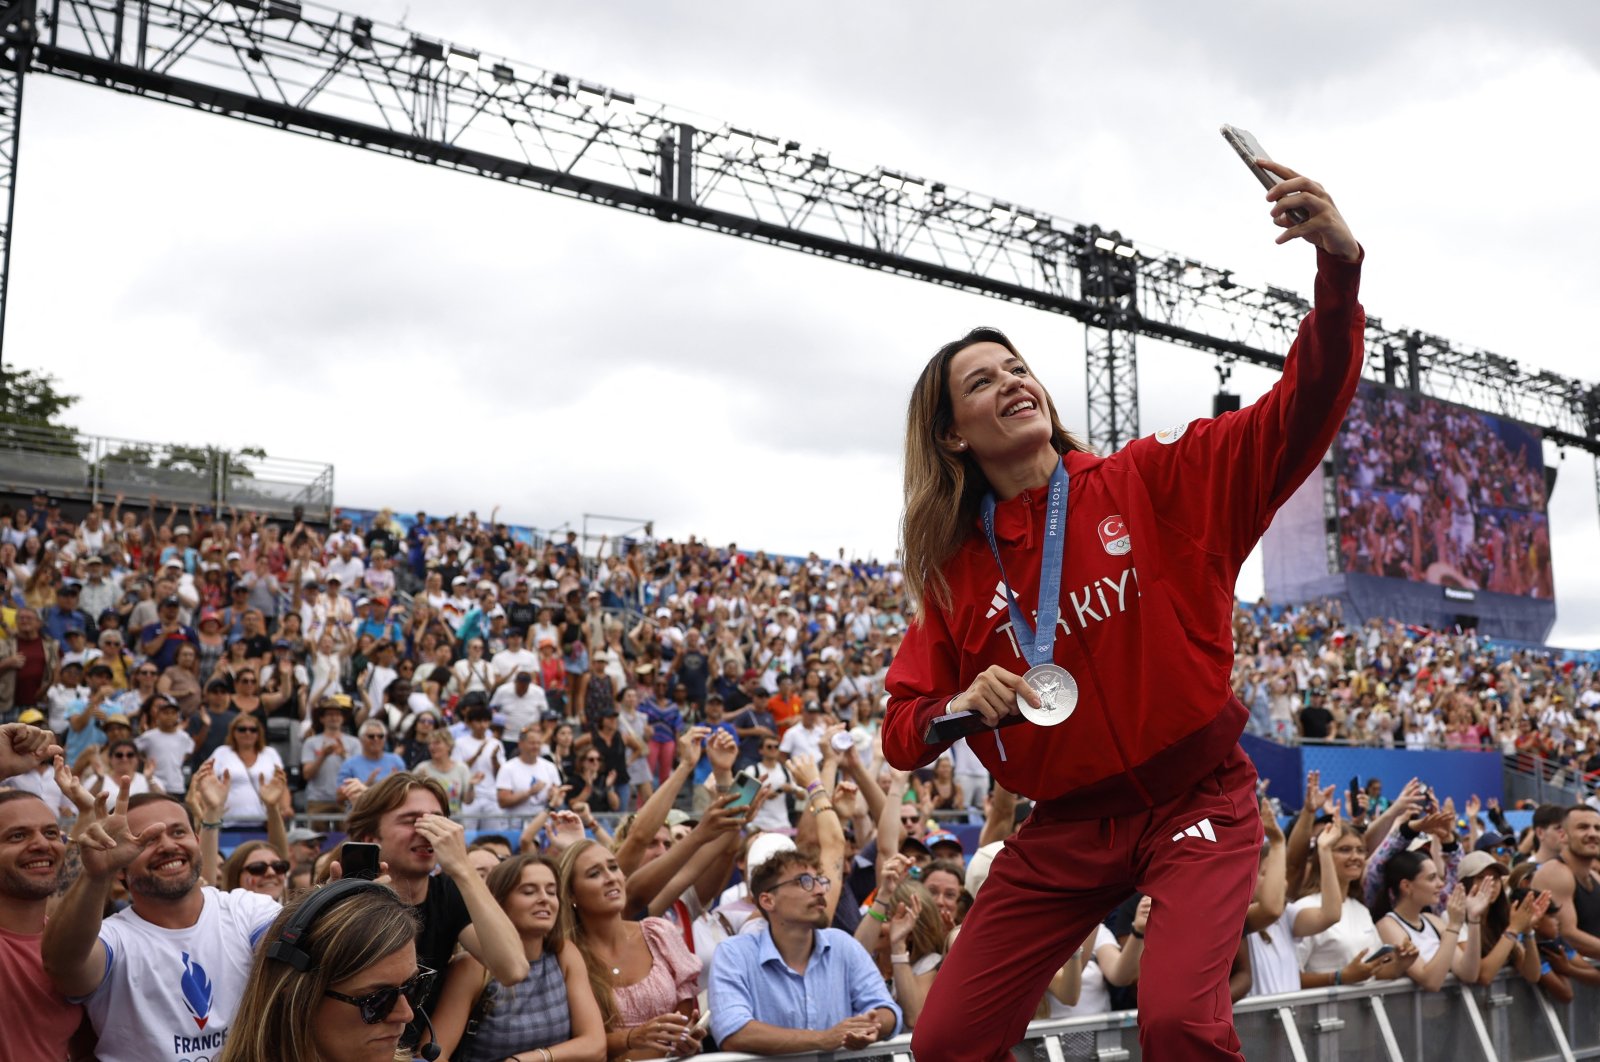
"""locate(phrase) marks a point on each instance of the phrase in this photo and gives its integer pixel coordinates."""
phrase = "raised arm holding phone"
(1093, 597)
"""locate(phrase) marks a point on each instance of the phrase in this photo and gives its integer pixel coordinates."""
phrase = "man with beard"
(796, 985)
(1574, 880)
(162, 978)
(32, 853)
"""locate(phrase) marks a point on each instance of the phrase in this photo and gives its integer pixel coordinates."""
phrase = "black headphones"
(288, 948)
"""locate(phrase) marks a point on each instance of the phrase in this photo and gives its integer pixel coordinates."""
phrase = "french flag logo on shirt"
(196, 991)
(1114, 536)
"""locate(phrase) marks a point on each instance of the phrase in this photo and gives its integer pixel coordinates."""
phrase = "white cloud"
(448, 342)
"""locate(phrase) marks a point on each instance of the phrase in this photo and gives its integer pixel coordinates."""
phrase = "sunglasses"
(808, 882)
(279, 867)
(124, 755)
(376, 1007)
(143, 672)
(247, 730)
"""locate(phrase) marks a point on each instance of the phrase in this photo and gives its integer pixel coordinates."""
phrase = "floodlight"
(426, 48)
(361, 33)
(462, 60)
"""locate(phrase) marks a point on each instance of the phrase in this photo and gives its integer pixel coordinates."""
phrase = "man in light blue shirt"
(374, 764)
(796, 985)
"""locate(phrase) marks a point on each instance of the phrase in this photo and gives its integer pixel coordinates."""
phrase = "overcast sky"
(449, 343)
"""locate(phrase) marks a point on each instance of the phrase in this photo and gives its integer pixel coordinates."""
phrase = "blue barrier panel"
(1280, 766)
(1452, 774)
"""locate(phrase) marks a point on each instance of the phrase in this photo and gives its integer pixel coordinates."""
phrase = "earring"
(961, 446)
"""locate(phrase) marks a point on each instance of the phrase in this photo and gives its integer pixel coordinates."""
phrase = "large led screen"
(1437, 493)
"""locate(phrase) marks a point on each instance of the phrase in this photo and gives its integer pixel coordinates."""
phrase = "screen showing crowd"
(1434, 492)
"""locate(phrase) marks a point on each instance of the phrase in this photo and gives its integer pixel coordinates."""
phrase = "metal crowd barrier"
(1507, 1021)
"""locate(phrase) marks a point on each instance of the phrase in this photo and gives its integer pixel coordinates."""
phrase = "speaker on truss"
(1223, 402)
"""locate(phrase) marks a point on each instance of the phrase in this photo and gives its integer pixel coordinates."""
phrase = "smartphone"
(953, 726)
(748, 786)
(1249, 149)
(359, 860)
(1382, 953)
(1355, 796)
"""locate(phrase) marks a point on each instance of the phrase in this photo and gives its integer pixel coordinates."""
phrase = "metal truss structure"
(341, 77)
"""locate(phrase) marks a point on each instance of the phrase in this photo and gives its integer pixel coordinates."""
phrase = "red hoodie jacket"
(1156, 534)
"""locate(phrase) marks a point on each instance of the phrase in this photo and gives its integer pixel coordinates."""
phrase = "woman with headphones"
(336, 981)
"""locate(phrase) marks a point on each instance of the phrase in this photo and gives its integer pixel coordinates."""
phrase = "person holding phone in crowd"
(1123, 673)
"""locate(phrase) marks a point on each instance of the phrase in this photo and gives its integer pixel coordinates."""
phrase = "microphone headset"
(290, 948)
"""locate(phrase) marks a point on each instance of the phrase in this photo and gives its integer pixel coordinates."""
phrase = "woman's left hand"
(1324, 228)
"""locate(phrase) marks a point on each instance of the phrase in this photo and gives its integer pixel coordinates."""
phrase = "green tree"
(30, 408)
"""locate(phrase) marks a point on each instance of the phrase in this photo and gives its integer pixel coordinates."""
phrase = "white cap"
(764, 848)
(978, 869)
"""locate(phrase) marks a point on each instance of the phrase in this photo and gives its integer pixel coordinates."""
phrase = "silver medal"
(1058, 695)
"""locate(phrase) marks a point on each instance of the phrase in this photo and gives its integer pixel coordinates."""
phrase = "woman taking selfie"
(1094, 597)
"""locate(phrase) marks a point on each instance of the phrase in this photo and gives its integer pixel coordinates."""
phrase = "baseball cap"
(1489, 842)
(764, 847)
(939, 837)
(663, 613)
(118, 720)
(1475, 863)
(301, 835)
(677, 817)
(32, 715)
(978, 869)
(914, 842)
(173, 562)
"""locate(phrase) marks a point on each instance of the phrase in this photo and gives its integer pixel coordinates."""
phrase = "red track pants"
(1058, 877)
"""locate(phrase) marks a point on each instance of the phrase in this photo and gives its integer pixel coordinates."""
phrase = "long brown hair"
(943, 488)
(572, 928)
(274, 1018)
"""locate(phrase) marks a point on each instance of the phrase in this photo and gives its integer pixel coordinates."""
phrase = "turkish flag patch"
(1114, 536)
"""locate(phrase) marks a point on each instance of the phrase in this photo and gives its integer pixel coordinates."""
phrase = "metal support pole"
(1479, 1029)
(1386, 1031)
(19, 31)
(1111, 363)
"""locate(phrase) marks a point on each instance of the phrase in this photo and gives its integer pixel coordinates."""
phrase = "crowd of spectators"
(1307, 675)
(629, 803)
(1415, 503)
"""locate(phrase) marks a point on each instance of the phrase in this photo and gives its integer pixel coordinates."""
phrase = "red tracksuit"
(1156, 534)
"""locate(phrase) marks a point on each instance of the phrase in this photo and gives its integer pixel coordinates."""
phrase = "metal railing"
(1507, 1021)
(98, 467)
(1541, 780)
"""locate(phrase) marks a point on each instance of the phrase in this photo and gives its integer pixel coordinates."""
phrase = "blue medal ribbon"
(1038, 645)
